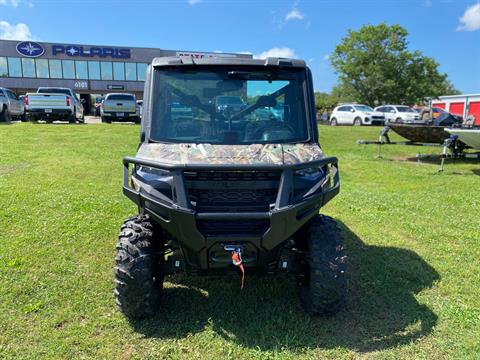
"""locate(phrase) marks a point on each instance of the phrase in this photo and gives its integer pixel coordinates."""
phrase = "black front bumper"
(201, 252)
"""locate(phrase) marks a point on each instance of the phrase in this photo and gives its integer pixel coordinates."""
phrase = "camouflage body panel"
(280, 154)
(421, 133)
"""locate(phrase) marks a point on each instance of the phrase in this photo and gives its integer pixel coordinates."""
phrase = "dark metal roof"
(271, 61)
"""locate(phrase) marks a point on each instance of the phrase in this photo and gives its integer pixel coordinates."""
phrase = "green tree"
(325, 102)
(375, 66)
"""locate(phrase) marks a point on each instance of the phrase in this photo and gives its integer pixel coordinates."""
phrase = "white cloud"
(15, 3)
(326, 57)
(15, 32)
(193, 2)
(294, 14)
(283, 52)
(470, 21)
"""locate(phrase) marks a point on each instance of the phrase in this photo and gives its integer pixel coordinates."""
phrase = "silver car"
(11, 106)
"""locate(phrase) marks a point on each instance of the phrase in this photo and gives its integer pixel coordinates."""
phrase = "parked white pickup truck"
(10, 106)
(51, 103)
(119, 107)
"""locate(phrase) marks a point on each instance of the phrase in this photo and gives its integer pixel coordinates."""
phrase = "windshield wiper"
(263, 101)
(193, 100)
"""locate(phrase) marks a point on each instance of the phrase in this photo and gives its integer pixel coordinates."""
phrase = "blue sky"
(449, 31)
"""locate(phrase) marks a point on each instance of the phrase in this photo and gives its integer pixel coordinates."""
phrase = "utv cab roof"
(186, 60)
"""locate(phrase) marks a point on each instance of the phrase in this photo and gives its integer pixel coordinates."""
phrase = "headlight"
(308, 181)
(160, 180)
(309, 173)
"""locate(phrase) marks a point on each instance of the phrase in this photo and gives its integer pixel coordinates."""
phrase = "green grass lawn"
(412, 237)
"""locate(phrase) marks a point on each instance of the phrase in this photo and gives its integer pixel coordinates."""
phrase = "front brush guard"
(178, 217)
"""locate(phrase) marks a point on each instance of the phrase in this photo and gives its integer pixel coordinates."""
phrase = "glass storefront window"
(28, 67)
(94, 70)
(131, 71)
(81, 71)
(142, 71)
(118, 71)
(14, 67)
(106, 70)
(68, 67)
(42, 68)
(55, 69)
(3, 67)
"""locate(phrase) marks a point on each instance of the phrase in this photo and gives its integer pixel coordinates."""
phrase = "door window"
(12, 95)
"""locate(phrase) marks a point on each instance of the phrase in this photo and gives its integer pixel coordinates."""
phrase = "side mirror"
(392, 111)
(82, 101)
(353, 110)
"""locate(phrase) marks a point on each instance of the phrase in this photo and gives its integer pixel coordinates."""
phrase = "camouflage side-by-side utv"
(229, 176)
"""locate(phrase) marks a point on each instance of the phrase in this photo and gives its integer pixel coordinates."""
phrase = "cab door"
(381, 109)
(349, 114)
(342, 114)
(389, 112)
(14, 103)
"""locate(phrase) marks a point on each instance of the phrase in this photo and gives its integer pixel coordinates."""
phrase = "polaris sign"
(30, 49)
(102, 52)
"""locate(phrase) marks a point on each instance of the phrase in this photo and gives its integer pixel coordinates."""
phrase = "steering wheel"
(258, 134)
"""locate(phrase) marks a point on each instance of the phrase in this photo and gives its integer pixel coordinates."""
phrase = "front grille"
(378, 117)
(232, 191)
(230, 228)
(232, 200)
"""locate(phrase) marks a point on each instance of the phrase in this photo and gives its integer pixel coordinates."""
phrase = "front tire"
(5, 115)
(357, 122)
(322, 280)
(72, 119)
(138, 268)
(334, 122)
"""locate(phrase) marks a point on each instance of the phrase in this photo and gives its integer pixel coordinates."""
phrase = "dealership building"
(91, 70)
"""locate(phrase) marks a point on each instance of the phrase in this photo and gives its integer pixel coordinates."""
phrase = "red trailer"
(463, 105)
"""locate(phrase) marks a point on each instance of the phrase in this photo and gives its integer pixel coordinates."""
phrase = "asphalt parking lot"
(94, 120)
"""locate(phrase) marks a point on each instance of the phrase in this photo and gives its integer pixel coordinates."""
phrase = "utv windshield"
(229, 106)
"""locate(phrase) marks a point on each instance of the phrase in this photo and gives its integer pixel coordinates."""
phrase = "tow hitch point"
(237, 259)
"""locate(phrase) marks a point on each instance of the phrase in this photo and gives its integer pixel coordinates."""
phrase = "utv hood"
(279, 154)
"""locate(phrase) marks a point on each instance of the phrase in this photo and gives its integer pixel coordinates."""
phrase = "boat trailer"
(450, 148)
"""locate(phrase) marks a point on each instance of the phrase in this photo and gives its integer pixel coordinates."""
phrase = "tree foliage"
(375, 66)
(325, 102)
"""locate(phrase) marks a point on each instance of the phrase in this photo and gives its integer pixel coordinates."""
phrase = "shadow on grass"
(436, 160)
(381, 313)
